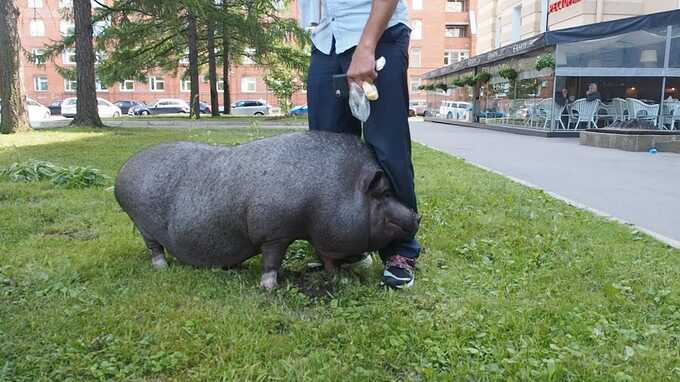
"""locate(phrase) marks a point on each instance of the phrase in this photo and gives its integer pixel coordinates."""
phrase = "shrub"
(71, 177)
(79, 177)
(470, 80)
(442, 86)
(31, 171)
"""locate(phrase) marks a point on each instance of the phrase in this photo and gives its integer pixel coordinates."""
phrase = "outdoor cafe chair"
(608, 112)
(642, 111)
(549, 110)
(584, 111)
(671, 114)
(621, 109)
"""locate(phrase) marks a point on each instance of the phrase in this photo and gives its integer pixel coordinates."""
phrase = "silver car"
(250, 107)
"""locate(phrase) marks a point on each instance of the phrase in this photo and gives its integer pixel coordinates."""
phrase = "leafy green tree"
(283, 82)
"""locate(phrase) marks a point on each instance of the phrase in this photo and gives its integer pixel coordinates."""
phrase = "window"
(414, 58)
(37, 56)
(220, 84)
(40, 83)
(455, 5)
(414, 85)
(499, 32)
(67, 28)
(156, 84)
(248, 54)
(185, 59)
(127, 86)
(69, 56)
(37, 28)
(453, 56)
(101, 87)
(99, 57)
(516, 23)
(416, 29)
(456, 31)
(417, 4)
(248, 84)
(185, 86)
(70, 85)
(65, 3)
(35, 3)
(99, 26)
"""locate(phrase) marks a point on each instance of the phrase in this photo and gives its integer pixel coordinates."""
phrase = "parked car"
(139, 109)
(491, 114)
(417, 107)
(298, 111)
(125, 105)
(169, 106)
(105, 108)
(249, 107)
(204, 108)
(55, 107)
(36, 111)
(455, 110)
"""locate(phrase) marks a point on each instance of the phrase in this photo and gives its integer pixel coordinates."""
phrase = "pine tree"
(87, 112)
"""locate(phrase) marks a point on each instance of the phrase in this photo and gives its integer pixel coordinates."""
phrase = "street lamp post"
(546, 4)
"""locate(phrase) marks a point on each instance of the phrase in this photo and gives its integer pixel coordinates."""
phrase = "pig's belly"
(206, 251)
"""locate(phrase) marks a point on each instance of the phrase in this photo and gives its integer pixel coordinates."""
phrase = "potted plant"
(483, 77)
(508, 73)
(459, 82)
(545, 61)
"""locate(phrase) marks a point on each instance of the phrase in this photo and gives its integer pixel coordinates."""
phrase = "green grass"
(513, 285)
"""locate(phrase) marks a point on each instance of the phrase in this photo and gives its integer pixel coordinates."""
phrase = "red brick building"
(442, 31)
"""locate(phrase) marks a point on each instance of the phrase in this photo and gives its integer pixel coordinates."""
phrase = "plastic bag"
(358, 103)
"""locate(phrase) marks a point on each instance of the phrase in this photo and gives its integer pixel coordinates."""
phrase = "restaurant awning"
(570, 35)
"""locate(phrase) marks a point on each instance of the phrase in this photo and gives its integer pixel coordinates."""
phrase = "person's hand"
(362, 67)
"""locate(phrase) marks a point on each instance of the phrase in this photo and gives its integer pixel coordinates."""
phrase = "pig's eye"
(387, 194)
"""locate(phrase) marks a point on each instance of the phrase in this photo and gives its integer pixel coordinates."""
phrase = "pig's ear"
(370, 179)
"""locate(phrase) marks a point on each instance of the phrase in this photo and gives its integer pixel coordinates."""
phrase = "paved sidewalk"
(639, 188)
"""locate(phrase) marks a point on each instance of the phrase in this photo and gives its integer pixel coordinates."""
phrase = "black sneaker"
(398, 272)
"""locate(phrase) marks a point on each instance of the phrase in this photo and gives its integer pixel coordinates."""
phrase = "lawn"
(513, 285)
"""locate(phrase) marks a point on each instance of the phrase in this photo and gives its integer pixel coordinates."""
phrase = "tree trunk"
(212, 70)
(225, 65)
(192, 40)
(87, 113)
(14, 116)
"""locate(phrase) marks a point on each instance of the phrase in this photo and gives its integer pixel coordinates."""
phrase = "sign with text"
(561, 4)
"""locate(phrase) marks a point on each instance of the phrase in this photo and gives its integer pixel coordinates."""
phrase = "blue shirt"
(344, 20)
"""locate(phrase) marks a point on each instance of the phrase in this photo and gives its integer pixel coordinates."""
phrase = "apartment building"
(502, 22)
(43, 21)
(442, 33)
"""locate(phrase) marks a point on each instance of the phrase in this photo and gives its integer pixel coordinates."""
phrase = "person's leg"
(387, 133)
(326, 111)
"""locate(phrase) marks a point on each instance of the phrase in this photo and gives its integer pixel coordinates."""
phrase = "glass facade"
(628, 77)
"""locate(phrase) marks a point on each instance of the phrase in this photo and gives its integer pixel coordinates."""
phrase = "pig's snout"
(404, 220)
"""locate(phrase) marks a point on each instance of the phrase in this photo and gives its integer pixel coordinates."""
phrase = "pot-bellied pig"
(218, 206)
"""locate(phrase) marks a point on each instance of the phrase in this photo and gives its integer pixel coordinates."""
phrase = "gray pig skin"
(218, 206)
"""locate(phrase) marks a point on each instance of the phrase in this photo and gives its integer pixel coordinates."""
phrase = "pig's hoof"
(268, 281)
(159, 262)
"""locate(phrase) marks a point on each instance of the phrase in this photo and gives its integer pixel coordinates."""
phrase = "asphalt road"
(639, 188)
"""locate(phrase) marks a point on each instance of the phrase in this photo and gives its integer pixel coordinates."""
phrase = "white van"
(457, 110)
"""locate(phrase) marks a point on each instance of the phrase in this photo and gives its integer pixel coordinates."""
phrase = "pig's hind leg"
(272, 257)
(157, 251)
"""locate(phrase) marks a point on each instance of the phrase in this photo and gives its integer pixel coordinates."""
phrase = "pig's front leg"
(272, 256)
